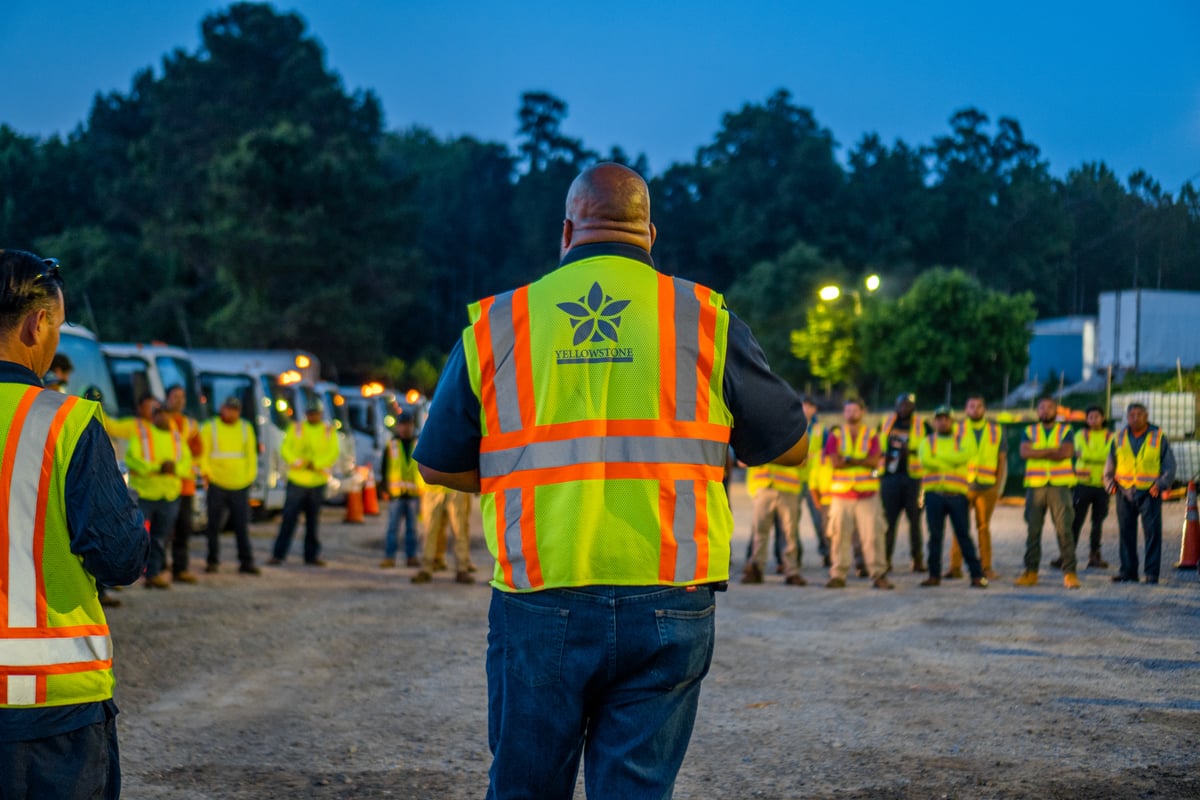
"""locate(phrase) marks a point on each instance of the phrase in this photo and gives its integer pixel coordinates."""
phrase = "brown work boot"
(796, 580)
(1070, 580)
(836, 583)
(184, 577)
(159, 581)
(422, 577)
(953, 573)
(931, 582)
(883, 583)
(979, 583)
(387, 563)
(1026, 578)
(1096, 560)
(463, 577)
(752, 574)
(108, 601)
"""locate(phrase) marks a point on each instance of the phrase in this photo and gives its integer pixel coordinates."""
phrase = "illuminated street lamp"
(829, 293)
(872, 283)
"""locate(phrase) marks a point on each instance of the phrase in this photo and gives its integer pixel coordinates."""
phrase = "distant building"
(1148, 329)
(1062, 349)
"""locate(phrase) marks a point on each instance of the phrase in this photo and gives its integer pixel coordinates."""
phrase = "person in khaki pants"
(855, 454)
(986, 474)
(446, 505)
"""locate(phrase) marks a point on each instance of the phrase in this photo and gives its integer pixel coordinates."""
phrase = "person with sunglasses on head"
(69, 523)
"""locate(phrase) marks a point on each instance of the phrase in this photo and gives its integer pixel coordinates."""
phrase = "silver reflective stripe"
(65, 650)
(504, 343)
(685, 530)
(22, 690)
(687, 349)
(217, 452)
(512, 538)
(602, 450)
(22, 509)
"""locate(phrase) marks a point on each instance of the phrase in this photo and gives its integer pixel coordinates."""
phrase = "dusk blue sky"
(1100, 80)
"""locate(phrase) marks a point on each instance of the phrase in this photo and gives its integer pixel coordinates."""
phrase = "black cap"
(232, 402)
(909, 396)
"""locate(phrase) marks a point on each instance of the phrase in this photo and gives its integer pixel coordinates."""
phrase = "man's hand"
(1155, 491)
(168, 468)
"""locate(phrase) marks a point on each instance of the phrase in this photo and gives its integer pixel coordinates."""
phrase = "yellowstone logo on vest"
(595, 319)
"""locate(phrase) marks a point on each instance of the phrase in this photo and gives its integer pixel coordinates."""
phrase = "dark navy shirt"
(107, 532)
(768, 416)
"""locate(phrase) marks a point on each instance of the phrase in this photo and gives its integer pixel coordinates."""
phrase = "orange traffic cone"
(1189, 548)
(354, 507)
(370, 496)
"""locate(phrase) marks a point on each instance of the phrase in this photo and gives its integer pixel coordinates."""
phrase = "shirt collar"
(607, 249)
(11, 372)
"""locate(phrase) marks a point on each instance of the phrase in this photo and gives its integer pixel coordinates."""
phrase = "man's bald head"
(608, 203)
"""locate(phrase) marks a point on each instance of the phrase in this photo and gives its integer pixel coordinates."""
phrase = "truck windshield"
(176, 371)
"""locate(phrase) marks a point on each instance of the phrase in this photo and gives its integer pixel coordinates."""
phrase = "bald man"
(593, 409)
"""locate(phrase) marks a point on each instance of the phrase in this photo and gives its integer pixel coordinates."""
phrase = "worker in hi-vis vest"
(310, 449)
(229, 465)
(68, 523)
(592, 410)
(1048, 449)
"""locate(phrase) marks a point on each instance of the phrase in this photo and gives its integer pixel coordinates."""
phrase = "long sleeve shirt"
(107, 531)
(1166, 472)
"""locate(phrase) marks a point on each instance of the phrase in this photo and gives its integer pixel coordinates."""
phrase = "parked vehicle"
(90, 377)
(372, 412)
(343, 478)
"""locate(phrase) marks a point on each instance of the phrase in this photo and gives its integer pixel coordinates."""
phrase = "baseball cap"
(232, 402)
(909, 396)
(943, 411)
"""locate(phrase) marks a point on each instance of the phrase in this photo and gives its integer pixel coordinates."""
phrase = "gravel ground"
(351, 682)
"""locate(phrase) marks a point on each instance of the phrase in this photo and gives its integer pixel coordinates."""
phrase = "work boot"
(440, 565)
(184, 577)
(953, 573)
(979, 583)
(883, 583)
(412, 561)
(1070, 580)
(1096, 560)
(249, 569)
(991, 574)
(836, 583)
(387, 563)
(752, 574)
(1026, 578)
(212, 568)
(463, 577)
(108, 601)
(796, 580)
(159, 581)
(422, 577)
(931, 582)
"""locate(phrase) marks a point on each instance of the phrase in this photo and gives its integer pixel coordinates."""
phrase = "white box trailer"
(1148, 329)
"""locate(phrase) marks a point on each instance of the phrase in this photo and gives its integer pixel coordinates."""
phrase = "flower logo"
(595, 317)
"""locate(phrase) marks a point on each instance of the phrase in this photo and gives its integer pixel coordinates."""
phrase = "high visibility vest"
(916, 427)
(945, 460)
(818, 468)
(304, 443)
(773, 476)
(55, 648)
(149, 448)
(984, 466)
(229, 457)
(1091, 454)
(1041, 471)
(189, 432)
(1142, 470)
(604, 428)
(860, 480)
(403, 477)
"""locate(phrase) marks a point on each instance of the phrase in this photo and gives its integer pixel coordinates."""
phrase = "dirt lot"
(351, 682)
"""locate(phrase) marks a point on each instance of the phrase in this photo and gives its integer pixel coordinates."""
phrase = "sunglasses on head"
(50, 270)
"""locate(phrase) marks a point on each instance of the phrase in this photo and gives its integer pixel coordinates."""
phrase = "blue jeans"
(1129, 508)
(402, 507)
(83, 764)
(938, 506)
(300, 498)
(161, 516)
(609, 673)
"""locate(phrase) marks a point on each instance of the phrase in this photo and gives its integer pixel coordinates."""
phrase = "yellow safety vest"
(403, 479)
(304, 443)
(1040, 471)
(1091, 454)
(773, 476)
(984, 466)
(860, 480)
(1142, 470)
(55, 648)
(229, 458)
(604, 428)
(915, 434)
(945, 460)
(149, 448)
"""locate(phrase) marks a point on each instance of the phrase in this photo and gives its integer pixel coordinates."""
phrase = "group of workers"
(592, 411)
(858, 481)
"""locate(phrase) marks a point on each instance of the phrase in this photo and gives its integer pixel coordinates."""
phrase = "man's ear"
(568, 234)
(31, 325)
(653, 234)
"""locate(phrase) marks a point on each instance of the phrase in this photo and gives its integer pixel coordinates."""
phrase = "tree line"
(240, 195)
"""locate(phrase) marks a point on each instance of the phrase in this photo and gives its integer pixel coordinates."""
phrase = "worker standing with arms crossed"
(987, 471)
(229, 463)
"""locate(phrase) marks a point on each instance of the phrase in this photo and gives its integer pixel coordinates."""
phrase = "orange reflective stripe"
(666, 348)
(669, 547)
(43, 497)
(708, 344)
(527, 479)
(482, 330)
(523, 357)
(42, 671)
(6, 482)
